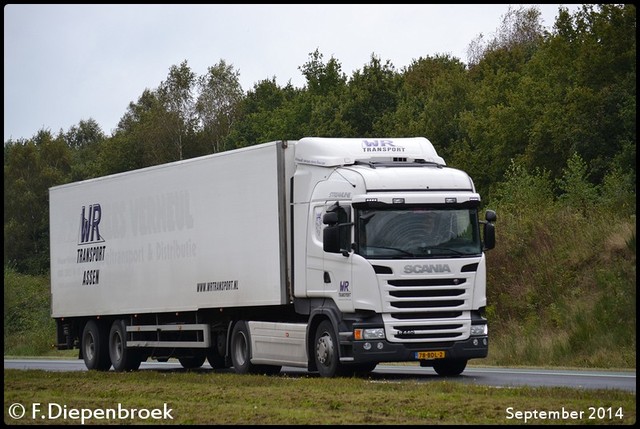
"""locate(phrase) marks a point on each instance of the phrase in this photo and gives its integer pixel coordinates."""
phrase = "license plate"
(430, 355)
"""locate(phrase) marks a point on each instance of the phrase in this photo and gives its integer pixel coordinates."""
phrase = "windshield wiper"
(393, 248)
(427, 250)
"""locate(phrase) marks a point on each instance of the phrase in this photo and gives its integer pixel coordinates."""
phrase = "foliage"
(562, 279)
(29, 329)
(177, 97)
(215, 398)
(578, 192)
(217, 103)
(30, 169)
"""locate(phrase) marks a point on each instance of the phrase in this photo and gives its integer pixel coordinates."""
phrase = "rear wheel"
(216, 354)
(121, 357)
(192, 362)
(241, 348)
(266, 369)
(95, 346)
(450, 367)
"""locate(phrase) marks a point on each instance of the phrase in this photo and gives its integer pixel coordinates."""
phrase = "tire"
(216, 354)
(325, 350)
(241, 353)
(192, 362)
(359, 369)
(95, 346)
(241, 348)
(450, 367)
(122, 358)
(266, 369)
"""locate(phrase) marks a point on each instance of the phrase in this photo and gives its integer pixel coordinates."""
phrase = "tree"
(435, 90)
(217, 103)
(372, 92)
(177, 95)
(30, 169)
(321, 103)
(577, 192)
(85, 140)
(85, 134)
(323, 79)
(580, 93)
(495, 129)
(141, 138)
(264, 115)
(520, 28)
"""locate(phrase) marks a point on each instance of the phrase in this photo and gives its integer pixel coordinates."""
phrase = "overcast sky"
(66, 63)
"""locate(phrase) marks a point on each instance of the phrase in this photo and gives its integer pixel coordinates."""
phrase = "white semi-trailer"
(332, 254)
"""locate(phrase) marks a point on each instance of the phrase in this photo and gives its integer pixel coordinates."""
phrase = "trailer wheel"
(95, 347)
(450, 367)
(216, 354)
(326, 350)
(122, 358)
(215, 360)
(241, 348)
(192, 362)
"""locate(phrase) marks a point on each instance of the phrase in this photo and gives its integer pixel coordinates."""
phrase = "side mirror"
(490, 215)
(334, 235)
(330, 218)
(489, 232)
(331, 237)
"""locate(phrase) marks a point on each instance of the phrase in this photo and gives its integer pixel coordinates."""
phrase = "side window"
(317, 219)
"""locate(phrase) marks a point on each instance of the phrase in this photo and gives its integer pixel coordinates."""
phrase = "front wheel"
(450, 367)
(325, 347)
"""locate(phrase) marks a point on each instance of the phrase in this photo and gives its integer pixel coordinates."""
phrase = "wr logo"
(89, 224)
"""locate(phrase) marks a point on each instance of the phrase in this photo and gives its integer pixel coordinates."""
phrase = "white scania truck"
(332, 254)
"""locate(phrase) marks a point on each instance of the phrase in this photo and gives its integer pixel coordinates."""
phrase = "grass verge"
(229, 399)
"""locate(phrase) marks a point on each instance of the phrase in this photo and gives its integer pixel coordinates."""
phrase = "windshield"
(417, 233)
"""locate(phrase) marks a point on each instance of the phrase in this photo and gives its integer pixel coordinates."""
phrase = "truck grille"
(427, 310)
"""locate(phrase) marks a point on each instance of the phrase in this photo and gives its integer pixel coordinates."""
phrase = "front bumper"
(385, 351)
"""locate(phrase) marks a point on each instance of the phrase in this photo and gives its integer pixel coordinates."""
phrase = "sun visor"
(331, 152)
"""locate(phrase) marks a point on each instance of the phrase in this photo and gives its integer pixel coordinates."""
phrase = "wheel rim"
(240, 348)
(117, 346)
(89, 346)
(325, 350)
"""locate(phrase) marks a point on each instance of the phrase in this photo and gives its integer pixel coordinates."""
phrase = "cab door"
(337, 267)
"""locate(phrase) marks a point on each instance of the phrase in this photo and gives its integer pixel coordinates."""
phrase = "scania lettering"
(330, 254)
(440, 268)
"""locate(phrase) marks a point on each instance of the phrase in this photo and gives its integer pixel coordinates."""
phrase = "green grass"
(197, 397)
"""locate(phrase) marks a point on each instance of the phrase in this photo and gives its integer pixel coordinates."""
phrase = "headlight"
(479, 329)
(369, 334)
(374, 334)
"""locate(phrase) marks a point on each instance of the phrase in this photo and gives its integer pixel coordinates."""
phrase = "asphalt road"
(489, 376)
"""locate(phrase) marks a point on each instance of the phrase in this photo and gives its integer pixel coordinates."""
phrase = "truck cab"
(395, 250)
